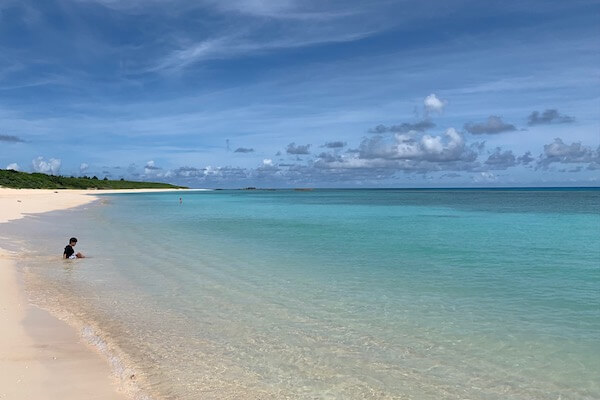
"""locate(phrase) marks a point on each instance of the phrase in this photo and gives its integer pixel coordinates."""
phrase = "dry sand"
(15, 203)
(41, 357)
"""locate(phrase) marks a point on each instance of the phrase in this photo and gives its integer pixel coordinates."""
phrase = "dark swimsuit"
(68, 251)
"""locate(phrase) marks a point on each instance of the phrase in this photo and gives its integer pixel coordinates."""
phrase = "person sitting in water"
(69, 252)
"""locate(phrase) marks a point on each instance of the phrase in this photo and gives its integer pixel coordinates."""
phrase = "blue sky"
(303, 93)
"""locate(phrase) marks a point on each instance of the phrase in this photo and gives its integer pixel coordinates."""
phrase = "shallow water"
(333, 294)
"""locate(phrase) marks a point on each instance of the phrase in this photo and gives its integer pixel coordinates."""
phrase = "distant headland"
(24, 180)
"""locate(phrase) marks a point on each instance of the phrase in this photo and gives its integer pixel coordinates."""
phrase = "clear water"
(334, 294)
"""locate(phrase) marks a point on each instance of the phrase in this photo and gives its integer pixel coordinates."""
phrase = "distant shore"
(42, 357)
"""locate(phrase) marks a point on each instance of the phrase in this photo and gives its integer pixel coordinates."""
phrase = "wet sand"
(41, 357)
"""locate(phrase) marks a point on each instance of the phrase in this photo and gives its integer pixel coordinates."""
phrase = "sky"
(290, 93)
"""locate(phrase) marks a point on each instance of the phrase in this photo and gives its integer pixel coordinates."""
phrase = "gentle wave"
(343, 294)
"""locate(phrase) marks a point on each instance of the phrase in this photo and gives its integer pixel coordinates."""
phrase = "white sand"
(41, 357)
(15, 203)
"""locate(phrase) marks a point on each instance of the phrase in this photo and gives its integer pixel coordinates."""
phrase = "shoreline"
(42, 356)
(17, 203)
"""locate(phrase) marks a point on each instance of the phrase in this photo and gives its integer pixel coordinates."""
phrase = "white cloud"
(560, 152)
(151, 169)
(52, 166)
(258, 7)
(13, 166)
(245, 25)
(212, 171)
(268, 162)
(483, 177)
(449, 147)
(83, 167)
(231, 46)
(432, 144)
(434, 104)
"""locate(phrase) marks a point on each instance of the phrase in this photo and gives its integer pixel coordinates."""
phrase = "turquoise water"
(335, 294)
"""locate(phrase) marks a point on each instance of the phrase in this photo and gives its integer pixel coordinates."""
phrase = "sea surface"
(331, 294)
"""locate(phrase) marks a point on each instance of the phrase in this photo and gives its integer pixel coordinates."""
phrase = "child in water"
(69, 252)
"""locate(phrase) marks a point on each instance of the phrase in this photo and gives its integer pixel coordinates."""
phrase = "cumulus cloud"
(13, 166)
(243, 150)
(334, 145)
(299, 149)
(562, 153)
(151, 168)
(329, 157)
(433, 103)
(550, 116)
(499, 159)
(449, 147)
(525, 159)
(478, 146)
(187, 172)
(485, 177)
(268, 170)
(11, 139)
(413, 152)
(494, 124)
(211, 171)
(405, 127)
(83, 167)
(383, 157)
(151, 165)
(51, 166)
(206, 175)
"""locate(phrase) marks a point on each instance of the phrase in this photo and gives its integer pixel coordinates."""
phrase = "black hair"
(73, 240)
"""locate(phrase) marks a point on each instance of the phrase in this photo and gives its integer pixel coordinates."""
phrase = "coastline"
(16, 203)
(40, 355)
(219, 326)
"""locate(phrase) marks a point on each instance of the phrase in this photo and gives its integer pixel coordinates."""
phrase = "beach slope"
(42, 357)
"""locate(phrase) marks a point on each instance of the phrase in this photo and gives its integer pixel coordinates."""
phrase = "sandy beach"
(41, 357)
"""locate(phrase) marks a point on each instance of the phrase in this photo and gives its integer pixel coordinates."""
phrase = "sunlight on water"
(335, 294)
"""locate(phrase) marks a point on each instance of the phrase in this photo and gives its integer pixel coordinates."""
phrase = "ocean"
(331, 294)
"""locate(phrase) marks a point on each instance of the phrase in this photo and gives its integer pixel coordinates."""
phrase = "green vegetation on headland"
(24, 180)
